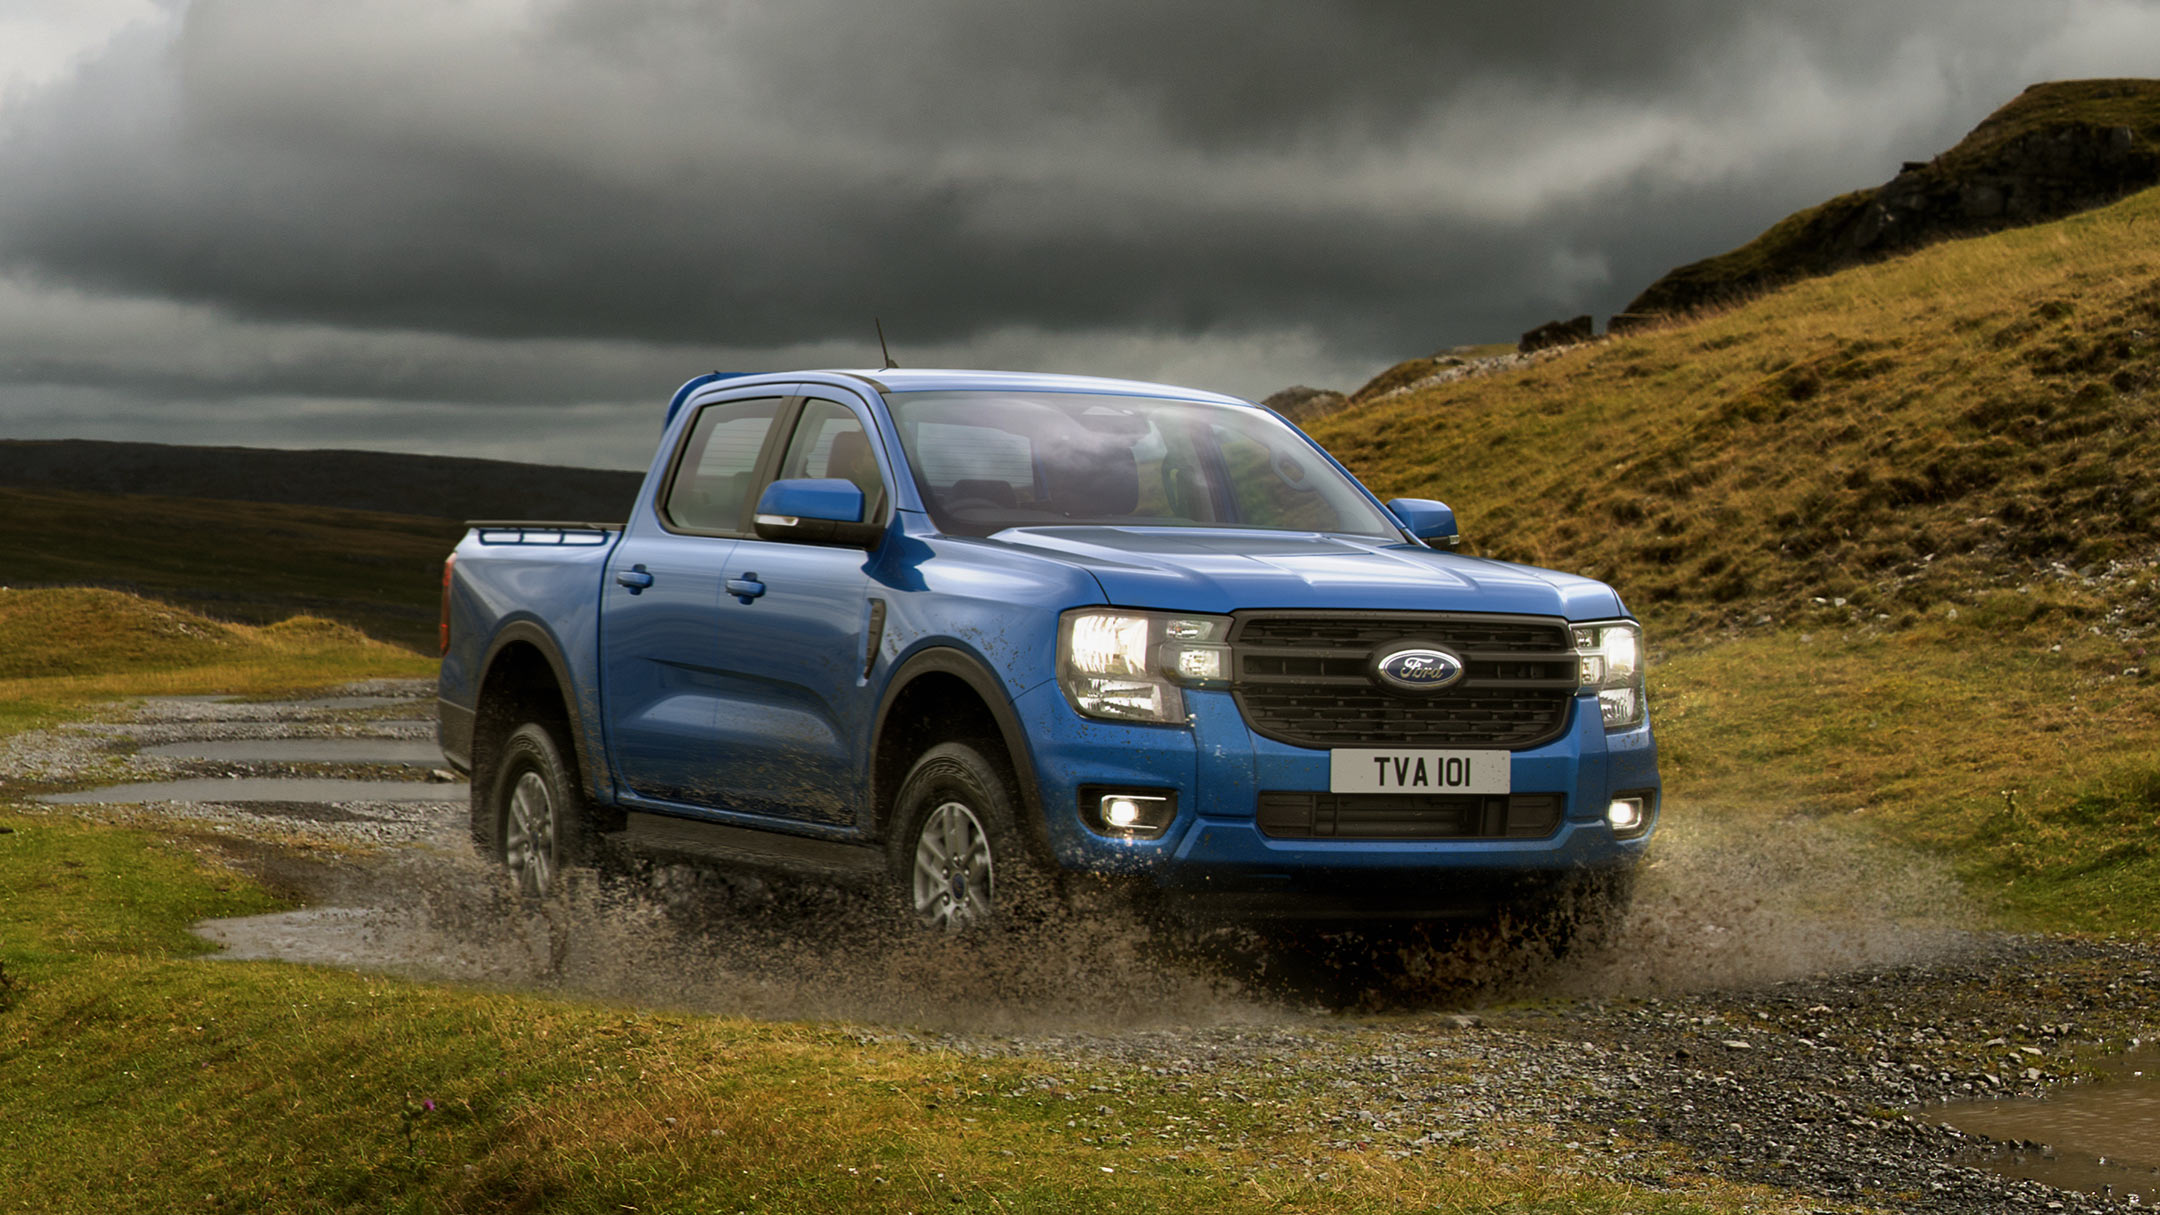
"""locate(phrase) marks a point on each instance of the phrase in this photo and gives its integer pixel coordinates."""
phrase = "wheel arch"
(525, 678)
(946, 694)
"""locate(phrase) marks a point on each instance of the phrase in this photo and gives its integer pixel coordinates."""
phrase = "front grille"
(1389, 816)
(1306, 678)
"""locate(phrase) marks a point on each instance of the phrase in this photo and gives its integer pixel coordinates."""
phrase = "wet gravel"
(110, 751)
(1756, 1039)
(1822, 1087)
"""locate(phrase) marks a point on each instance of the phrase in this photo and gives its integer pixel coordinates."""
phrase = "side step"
(831, 860)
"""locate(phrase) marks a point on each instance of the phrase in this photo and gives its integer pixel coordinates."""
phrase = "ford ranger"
(971, 636)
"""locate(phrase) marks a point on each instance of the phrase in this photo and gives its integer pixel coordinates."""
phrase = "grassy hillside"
(240, 561)
(1894, 530)
(62, 648)
(2056, 148)
(1906, 437)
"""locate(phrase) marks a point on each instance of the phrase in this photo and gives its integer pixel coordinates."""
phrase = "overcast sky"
(510, 227)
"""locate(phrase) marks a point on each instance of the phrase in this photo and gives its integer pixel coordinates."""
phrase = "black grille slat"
(1384, 816)
(1470, 632)
(1305, 678)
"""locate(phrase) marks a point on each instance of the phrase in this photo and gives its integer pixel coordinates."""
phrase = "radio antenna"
(882, 349)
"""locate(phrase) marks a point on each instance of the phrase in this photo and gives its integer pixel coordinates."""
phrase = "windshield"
(988, 460)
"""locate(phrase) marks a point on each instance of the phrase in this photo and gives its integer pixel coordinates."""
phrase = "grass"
(246, 561)
(2028, 765)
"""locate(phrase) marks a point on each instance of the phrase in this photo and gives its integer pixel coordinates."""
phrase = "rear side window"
(715, 483)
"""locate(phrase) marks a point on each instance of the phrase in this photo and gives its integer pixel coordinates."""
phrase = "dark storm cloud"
(769, 173)
(302, 223)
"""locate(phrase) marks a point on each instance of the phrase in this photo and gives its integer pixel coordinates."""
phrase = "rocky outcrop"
(2057, 149)
(1558, 333)
(1301, 404)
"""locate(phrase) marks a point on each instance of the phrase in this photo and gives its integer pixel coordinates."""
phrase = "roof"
(911, 379)
(930, 379)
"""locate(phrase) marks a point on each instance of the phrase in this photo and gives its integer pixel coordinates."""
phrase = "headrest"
(850, 459)
(997, 492)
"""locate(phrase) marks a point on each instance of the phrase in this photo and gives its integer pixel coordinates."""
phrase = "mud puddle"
(697, 940)
(402, 752)
(244, 789)
(2101, 1137)
(1708, 916)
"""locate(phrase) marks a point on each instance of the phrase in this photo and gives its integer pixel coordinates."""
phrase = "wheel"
(538, 811)
(957, 856)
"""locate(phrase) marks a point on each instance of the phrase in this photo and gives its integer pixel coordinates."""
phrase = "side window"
(716, 475)
(829, 441)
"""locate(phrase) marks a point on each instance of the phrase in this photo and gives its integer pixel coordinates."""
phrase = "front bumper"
(1217, 768)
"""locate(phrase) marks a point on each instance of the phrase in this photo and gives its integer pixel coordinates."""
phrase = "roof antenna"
(889, 364)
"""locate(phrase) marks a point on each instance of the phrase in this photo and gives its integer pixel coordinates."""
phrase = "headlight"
(1609, 656)
(1129, 666)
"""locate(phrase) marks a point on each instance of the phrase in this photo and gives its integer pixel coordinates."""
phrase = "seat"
(1097, 482)
(997, 493)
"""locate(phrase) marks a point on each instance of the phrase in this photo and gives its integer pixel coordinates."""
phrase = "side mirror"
(815, 510)
(1430, 521)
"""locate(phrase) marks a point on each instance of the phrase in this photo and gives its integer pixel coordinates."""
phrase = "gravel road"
(1784, 1006)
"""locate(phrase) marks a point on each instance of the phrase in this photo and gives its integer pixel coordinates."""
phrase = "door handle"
(745, 588)
(635, 578)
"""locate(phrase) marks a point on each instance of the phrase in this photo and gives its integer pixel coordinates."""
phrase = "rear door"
(663, 680)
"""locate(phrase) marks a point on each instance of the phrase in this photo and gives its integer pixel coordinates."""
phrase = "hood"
(1218, 571)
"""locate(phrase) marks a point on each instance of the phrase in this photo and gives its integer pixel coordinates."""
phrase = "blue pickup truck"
(976, 637)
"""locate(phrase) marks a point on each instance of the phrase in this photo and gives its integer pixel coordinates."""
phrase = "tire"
(958, 859)
(538, 812)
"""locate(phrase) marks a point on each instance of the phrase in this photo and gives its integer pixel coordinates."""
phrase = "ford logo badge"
(1419, 669)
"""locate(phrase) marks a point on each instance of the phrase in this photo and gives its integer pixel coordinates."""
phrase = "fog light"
(1626, 815)
(1126, 813)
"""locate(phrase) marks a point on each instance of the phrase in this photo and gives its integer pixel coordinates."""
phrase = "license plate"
(1365, 770)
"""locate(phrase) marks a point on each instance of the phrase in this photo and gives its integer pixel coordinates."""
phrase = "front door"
(795, 642)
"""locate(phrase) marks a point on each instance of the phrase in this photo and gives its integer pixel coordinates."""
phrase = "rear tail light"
(449, 564)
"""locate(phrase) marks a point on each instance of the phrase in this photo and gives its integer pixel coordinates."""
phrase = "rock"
(1302, 404)
(1558, 333)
